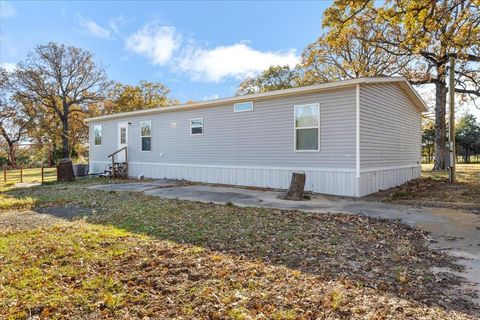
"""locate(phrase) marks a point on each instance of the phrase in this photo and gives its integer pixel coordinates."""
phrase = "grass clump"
(60, 269)
(10, 203)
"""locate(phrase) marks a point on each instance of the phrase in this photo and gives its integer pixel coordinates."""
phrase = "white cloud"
(155, 42)
(7, 9)
(93, 28)
(10, 67)
(235, 61)
(160, 43)
(116, 23)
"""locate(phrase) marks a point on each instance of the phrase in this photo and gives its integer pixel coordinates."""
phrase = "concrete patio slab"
(136, 187)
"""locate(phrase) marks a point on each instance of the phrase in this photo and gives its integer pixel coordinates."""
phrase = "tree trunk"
(65, 170)
(11, 155)
(51, 163)
(66, 147)
(297, 187)
(440, 105)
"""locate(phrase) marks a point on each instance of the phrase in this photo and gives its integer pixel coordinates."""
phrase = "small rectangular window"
(243, 106)
(146, 134)
(123, 135)
(307, 127)
(196, 126)
(97, 134)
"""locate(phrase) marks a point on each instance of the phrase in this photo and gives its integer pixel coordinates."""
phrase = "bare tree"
(63, 79)
(354, 57)
(14, 122)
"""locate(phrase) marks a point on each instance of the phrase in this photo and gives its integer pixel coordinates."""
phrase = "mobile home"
(351, 138)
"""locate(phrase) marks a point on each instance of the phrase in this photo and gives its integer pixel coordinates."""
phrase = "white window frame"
(142, 136)
(126, 138)
(235, 105)
(314, 127)
(203, 127)
(101, 135)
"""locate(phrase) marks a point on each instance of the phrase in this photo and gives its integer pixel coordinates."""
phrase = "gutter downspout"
(357, 140)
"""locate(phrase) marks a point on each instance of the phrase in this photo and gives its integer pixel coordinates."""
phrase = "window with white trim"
(146, 135)
(243, 106)
(307, 127)
(97, 134)
(123, 135)
(196, 126)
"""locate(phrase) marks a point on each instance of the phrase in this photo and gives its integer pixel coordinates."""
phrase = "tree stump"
(297, 187)
(65, 170)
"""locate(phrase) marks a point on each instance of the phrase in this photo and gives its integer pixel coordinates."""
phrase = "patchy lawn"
(138, 256)
(434, 189)
(30, 175)
(8, 202)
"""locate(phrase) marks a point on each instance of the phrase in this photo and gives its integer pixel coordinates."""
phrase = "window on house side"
(196, 126)
(146, 135)
(307, 127)
(123, 135)
(97, 134)
(243, 106)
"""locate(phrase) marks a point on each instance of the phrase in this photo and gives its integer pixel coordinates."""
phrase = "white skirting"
(373, 180)
(336, 181)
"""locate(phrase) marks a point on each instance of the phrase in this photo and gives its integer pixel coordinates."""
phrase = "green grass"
(44, 266)
(30, 175)
(465, 173)
(141, 256)
(9, 203)
(33, 175)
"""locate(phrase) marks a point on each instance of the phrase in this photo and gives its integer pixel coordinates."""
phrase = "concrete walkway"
(454, 231)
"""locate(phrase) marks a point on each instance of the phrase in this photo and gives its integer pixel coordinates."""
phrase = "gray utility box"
(80, 170)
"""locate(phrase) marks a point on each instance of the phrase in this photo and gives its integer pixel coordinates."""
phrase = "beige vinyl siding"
(262, 137)
(390, 127)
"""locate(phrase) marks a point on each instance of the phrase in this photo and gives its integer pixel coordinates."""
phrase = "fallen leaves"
(434, 189)
(151, 258)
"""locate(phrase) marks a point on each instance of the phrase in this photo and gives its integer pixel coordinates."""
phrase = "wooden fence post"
(42, 174)
(21, 174)
(113, 166)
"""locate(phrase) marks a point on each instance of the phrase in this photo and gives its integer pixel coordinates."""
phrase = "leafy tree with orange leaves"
(349, 57)
(273, 78)
(430, 32)
(145, 95)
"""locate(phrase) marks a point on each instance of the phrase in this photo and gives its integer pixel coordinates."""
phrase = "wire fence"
(473, 159)
(29, 175)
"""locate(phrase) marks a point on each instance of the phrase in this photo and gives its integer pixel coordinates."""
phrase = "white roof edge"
(273, 94)
(413, 94)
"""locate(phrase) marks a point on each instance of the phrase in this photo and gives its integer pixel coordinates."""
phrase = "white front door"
(122, 141)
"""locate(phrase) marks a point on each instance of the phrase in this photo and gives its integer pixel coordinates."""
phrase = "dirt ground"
(434, 190)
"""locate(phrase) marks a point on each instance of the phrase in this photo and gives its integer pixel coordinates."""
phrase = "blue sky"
(199, 50)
